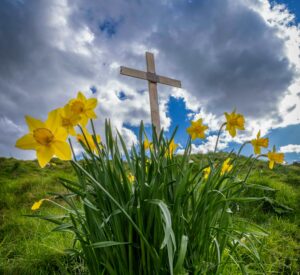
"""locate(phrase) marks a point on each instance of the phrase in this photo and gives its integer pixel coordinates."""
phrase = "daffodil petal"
(27, 142)
(81, 96)
(91, 103)
(258, 135)
(72, 131)
(44, 154)
(271, 164)
(34, 123)
(62, 150)
(90, 114)
(84, 121)
(61, 134)
(53, 120)
(37, 205)
(232, 131)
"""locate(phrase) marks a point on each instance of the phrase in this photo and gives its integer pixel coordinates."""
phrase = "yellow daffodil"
(130, 177)
(197, 129)
(275, 158)
(234, 121)
(171, 149)
(259, 142)
(47, 138)
(206, 172)
(37, 204)
(226, 167)
(147, 144)
(69, 119)
(83, 107)
(87, 140)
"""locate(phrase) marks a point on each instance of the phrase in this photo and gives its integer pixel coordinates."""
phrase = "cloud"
(207, 146)
(290, 148)
(245, 57)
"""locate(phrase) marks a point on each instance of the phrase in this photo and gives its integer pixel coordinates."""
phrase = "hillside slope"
(28, 247)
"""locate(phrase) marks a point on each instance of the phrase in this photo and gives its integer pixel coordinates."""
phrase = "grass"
(27, 245)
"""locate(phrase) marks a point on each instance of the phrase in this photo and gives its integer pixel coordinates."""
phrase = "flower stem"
(241, 148)
(219, 133)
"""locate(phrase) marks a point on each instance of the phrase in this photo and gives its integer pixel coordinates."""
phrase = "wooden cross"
(153, 79)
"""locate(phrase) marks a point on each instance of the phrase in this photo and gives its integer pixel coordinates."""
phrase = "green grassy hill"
(27, 245)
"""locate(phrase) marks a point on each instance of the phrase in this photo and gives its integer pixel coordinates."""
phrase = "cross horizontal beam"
(152, 77)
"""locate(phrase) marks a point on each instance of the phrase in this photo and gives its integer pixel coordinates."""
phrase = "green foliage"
(27, 245)
(169, 220)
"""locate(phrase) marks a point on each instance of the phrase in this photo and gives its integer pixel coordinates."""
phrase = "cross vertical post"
(153, 79)
(154, 107)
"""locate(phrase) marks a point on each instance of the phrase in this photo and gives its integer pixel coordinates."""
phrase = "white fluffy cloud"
(290, 148)
(247, 57)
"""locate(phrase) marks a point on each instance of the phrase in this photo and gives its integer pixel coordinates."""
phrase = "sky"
(228, 54)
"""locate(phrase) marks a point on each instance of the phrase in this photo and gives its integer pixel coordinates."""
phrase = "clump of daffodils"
(153, 212)
(49, 138)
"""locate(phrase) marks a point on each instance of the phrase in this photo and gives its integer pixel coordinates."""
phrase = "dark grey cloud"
(224, 52)
(292, 108)
(228, 55)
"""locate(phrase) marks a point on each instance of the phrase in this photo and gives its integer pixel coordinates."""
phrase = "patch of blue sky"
(292, 5)
(122, 96)
(93, 89)
(178, 114)
(109, 26)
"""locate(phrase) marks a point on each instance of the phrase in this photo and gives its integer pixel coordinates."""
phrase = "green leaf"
(107, 244)
(166, 218)
(90, 204)
(181, 254)
(63, 227)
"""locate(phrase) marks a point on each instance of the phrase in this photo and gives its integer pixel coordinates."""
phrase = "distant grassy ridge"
(27, 245)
